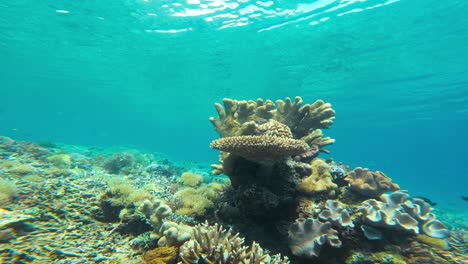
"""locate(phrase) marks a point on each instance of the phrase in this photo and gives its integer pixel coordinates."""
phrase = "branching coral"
(304, 118)
(370, 184)
(213, 244)
(307, 236)
(241, 118)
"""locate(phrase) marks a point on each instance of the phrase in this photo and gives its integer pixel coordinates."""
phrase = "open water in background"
(146, 73)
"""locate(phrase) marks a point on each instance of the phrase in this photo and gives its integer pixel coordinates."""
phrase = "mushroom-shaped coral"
(370, 184)
(396, 210)
(260, 148)
(336, 213)
(320, 179)
(307, 236)
(213, 244)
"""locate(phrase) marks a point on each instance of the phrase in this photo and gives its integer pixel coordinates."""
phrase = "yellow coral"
(194, 202)
(124, 194)
(217, 187)
(191, 179)
(60, 160)
(320, 179)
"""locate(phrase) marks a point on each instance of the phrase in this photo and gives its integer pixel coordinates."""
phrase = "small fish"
(465, 198)
(427, 200)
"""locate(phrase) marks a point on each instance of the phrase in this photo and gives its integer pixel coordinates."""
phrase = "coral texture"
(307, 236)
(370, 184)
(260, 148)
(336, 213)
(213, 244)
(160, 255)
(191, 179)
(320, 180)
(396, 210)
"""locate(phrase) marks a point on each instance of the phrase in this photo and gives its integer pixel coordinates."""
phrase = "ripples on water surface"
(109, 72)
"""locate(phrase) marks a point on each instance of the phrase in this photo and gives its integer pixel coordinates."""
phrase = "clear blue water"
(146, 73)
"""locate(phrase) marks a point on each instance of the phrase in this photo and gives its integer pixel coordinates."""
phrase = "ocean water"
(147, 73)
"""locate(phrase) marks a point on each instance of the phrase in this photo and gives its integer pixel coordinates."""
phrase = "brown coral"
(319, 181)
(370, 184)
(260, 148)
(160, 255)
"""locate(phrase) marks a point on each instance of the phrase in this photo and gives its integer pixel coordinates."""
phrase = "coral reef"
(370, 184)
(70, 204)
(214, 244)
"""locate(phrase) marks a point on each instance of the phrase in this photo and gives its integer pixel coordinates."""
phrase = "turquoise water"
(146, 73)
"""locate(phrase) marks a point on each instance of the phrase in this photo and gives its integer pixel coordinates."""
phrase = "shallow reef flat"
(272, 198)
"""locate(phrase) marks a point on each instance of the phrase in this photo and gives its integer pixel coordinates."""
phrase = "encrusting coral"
(160, 255)
(370, 184)
(216, 245)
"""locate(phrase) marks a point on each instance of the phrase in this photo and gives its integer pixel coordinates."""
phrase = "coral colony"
(280, 201)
